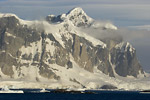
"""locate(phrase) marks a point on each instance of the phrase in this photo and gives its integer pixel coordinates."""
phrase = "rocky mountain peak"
(125, 46)
(76, 10)
(78, 17)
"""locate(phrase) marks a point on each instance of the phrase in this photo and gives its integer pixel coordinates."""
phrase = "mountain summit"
(79, 18)
(56, 52)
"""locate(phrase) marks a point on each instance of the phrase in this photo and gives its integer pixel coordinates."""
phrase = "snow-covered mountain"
(56, 53)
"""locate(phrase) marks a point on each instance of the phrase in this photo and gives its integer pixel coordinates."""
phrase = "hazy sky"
(123, 13)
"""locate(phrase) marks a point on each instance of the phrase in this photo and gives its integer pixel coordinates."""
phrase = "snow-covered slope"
(84, 79)
(56, 53)
(8, 15)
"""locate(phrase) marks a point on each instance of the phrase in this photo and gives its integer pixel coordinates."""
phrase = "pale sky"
(123, 13)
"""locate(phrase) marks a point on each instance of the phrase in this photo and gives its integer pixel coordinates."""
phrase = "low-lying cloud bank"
(140, 39)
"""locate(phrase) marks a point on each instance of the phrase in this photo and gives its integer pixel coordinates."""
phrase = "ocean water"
(97, 95)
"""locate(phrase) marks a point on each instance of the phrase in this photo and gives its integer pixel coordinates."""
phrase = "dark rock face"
(6, 64)
(42, 50)
(126, 61)
(105, 67)
(108, 87)
(54, 19)
(80, 54)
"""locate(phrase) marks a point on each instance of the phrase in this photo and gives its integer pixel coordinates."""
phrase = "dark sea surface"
(94, 95)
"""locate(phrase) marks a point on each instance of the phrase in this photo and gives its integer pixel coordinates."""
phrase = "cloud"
(80, 1)
(141, 27)
(140, 39)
